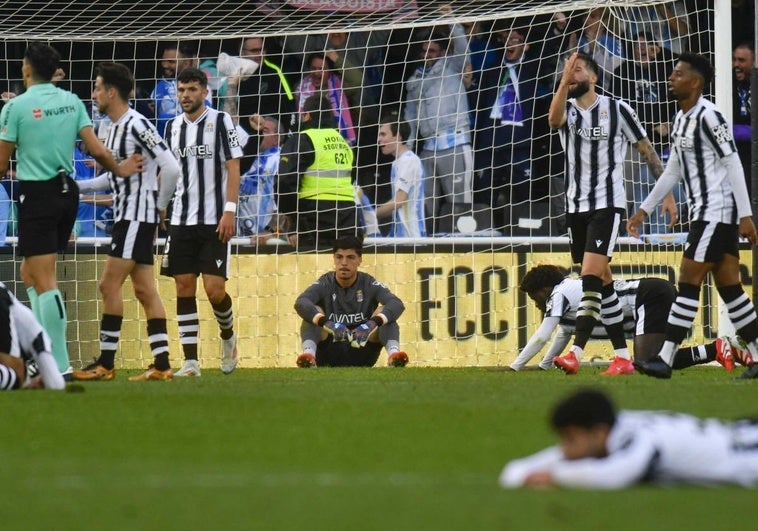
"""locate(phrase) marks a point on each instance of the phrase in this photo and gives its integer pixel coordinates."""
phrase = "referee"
(42, 125)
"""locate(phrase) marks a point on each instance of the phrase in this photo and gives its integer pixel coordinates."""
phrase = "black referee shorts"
(46, 215)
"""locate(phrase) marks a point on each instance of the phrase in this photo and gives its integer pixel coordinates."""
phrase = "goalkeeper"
(349, 315)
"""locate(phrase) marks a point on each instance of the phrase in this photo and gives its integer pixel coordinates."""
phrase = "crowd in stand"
(474, 96)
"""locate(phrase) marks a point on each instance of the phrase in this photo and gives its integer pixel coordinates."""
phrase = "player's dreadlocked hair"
(542, 276)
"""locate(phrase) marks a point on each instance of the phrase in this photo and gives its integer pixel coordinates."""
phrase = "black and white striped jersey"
(595, 141)
(566, 297)
(134, 197)
(700, 138)
(202, 148)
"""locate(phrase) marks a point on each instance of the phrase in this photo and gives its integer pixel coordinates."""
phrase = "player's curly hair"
(542, 276)
(700, 64)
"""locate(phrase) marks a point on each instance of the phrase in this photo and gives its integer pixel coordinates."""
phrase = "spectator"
(667, 22)
(257, 214)
(323, 81)
(315, 179)
(94, 218)
(505, 129)
(348, 315)
(407, 175)
(642, 81)
(604, 449)
(743, 57)
(597, 41)
(165, 102)
(265, 92)
(436, 108)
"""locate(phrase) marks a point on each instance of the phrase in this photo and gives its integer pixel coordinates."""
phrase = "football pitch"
(334, 449)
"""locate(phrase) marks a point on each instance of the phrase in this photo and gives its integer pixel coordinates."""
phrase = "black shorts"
(341, 354)
(46, 215)
(195, 249)
(133, 240)
(709, 241)
(593, 232)
(652, 305)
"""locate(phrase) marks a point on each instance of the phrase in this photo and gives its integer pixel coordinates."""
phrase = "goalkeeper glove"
(361, 333)
(338, 330)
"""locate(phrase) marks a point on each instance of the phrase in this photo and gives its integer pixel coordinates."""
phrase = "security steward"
(315, 180)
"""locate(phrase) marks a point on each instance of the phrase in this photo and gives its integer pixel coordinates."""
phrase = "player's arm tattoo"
(650, 157)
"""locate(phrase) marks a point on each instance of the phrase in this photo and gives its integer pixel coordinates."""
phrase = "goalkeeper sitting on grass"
(349, 315)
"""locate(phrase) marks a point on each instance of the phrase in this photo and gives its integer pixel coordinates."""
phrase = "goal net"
(493, 183)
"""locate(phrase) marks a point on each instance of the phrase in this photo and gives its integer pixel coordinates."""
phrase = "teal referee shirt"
(43, 122)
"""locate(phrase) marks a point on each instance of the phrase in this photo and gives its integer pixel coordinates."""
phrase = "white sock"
(577, 352)
(623, 353)
(309, 347)
(668, 351)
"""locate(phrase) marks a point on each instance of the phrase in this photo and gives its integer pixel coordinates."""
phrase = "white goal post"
(460, 281)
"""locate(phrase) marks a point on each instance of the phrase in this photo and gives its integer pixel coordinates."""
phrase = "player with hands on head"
(348, 315)
(595, 131)
(704, 155)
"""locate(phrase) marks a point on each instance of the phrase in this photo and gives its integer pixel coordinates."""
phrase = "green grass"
(353, 449)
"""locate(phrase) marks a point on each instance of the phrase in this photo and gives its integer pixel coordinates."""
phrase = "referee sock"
(186, 316)
(33, 301)
(52, 316)
(612, 316)
(589, 309)
(110, 333)
(224, 316)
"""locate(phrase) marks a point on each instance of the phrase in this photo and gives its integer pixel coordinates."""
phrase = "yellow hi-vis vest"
(329, 177)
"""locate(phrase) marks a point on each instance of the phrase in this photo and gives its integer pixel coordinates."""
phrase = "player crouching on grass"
(601, 448)
(644, 303)
(348, 315)
(23, 342)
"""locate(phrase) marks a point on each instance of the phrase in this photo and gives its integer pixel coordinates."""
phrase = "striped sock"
(612, 316)
(589, 309)
(680, 319)
(110, 333)
(158, 338)
(189, 323)
(224, 316)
